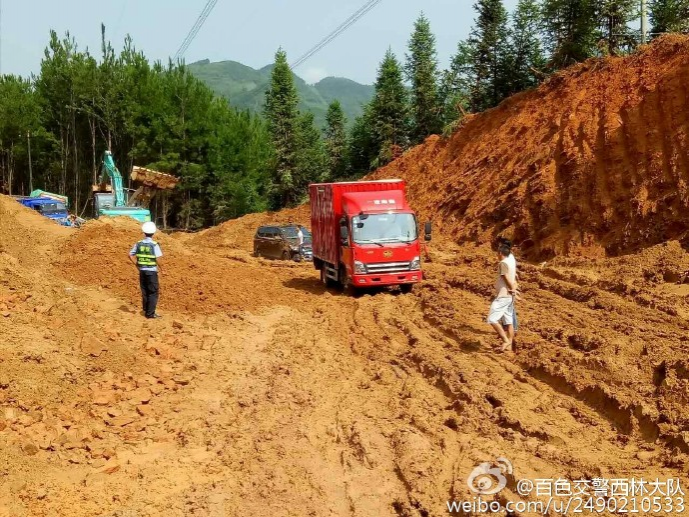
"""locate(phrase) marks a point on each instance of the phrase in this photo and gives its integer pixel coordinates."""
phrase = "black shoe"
(154, 317)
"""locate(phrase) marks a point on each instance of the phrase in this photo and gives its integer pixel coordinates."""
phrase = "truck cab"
(50, 208)
(365, 234)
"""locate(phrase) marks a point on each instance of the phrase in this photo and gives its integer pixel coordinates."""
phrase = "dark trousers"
(149, 291)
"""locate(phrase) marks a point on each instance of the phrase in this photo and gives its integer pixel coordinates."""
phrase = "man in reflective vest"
(145, 255)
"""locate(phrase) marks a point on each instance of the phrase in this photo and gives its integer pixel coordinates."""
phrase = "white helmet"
(149, 228)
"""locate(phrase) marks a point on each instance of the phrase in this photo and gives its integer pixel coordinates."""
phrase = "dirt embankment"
(593, 162)
(239, 233)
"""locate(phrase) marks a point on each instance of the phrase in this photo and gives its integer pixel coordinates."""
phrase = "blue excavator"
(112, 200)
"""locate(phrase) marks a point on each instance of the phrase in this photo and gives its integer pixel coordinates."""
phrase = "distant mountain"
(246, 87)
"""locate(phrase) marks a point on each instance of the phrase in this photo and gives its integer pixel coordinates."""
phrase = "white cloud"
(313, 75)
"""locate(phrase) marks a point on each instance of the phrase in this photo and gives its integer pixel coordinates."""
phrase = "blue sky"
(248, 32)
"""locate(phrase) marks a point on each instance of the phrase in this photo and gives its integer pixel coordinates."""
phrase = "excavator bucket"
(153, 179)
(150, 182)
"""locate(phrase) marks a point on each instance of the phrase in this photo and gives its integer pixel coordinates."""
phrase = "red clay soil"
(261, 393)
(239, 233)
(193, 280)
(595, 161)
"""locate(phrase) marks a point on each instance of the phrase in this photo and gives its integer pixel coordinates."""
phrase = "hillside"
(592, 162)
(245, 88)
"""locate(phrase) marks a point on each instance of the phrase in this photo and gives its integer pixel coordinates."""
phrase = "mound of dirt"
(593, 162)
(192, 279)
(25, 234)
(239, 233)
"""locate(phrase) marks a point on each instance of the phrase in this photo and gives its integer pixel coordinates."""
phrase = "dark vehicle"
(282, 242)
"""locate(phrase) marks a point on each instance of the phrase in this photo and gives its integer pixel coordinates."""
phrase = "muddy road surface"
(260, 393)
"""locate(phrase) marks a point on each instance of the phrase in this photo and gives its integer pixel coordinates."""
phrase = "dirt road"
(262, 394)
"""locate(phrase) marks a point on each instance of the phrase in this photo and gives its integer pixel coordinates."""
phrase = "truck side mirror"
(344, 233)
(428, 230)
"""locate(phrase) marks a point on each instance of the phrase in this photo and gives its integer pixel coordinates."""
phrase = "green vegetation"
(669, 15)
(276, 134)
(245, 88)
(147, 114)
(336, 142)
(422, 73)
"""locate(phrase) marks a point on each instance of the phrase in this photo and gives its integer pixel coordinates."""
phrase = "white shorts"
(501, 311)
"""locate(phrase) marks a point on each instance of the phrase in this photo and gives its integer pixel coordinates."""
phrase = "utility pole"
(644, 22)
(28, 139)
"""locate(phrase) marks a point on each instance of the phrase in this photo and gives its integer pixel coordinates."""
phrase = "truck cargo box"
(327, 209)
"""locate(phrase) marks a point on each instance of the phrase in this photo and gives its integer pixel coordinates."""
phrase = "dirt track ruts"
(314, 403)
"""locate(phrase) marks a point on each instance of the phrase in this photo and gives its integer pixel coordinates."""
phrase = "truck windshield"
(51, 208)
(384, 228)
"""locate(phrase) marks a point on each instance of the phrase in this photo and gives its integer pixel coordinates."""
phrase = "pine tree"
(389, 111)
(571, 31)
(455, 88)
(489, 48)
(614, 17)
(282, 116)
(422, 72)
(311, 157)
(669, 16)
(362, 148)
(527, 57)
(336, 141)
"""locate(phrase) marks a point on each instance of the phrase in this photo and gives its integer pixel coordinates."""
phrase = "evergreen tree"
(527, 57)
(362, 148)
(389, 111)
(456, 85)
(146, 114)
(336, 141)
(489, 49)
(669, 16)
(422, 72)
(614, 17)
(571, 31)
(282, 116)
(311, 157)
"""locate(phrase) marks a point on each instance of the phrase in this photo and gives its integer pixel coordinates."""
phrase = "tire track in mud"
(491, 397)
(558, 352)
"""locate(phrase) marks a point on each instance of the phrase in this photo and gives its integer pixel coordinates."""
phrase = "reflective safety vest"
(145, 254)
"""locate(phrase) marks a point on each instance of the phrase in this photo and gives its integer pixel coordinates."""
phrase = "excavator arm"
(111, 200)
(110, 169)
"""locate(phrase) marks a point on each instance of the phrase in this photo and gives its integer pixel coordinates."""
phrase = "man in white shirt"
(300, 240)
(513, 262)
(501, 312)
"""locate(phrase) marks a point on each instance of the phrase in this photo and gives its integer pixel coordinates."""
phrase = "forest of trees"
(55, 126)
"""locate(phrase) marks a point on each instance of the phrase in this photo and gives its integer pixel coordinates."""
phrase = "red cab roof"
(367, 202)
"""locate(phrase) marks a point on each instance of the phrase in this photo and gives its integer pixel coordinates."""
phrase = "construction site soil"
(261, 393)
(594, 161)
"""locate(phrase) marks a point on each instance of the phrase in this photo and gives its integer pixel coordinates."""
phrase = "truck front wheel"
(346, 283)
(406, 288)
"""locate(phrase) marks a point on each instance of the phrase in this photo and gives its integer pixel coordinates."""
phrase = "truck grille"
(388, 267)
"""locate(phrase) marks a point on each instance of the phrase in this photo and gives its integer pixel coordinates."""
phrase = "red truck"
(365, 234)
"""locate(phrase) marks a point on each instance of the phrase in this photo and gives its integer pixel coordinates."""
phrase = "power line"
(360, 13)
(195, 29)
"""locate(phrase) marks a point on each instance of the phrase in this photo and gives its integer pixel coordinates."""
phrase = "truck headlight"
(415, 264)
(359, 268)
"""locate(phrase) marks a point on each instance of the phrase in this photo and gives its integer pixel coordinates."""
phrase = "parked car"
(281, 242)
